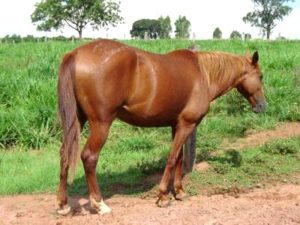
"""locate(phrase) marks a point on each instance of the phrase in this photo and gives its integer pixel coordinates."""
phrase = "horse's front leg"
(179, 193)
(182, 131)
(181, 168)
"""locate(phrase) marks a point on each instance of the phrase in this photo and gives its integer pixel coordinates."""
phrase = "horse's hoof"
(163, 201)
(100, 207)
(104, 209)
(180, 195)
(64, 210)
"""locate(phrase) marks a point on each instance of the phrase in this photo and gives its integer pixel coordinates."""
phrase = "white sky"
(204, 15)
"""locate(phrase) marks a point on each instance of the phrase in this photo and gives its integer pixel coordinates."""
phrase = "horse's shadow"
(132, 182)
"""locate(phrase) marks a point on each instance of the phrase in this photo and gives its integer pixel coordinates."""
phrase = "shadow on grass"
(134, 181)
(232, 157)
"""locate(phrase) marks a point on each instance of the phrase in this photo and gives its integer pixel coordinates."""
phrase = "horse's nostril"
(260, 106)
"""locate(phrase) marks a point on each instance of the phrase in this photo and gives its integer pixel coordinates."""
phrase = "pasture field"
(30, 130)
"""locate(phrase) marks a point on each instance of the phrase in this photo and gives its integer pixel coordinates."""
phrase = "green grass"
(38, 171)
(277, 160)
(121, 172)
(30, 131)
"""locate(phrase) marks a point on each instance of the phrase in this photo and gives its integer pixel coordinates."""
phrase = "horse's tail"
(67, 105)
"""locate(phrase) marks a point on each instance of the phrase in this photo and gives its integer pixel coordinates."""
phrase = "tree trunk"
(79, 33)
(268, 32)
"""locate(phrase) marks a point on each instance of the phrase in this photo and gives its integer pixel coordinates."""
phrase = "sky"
(204, 15)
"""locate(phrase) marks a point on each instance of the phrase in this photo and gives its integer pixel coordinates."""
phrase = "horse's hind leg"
(98, 135)
(62, 196)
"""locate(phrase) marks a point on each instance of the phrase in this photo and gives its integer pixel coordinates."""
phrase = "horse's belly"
(143, 119)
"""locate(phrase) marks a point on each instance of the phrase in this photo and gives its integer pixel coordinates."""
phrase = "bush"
(224, 163)
(282, 147)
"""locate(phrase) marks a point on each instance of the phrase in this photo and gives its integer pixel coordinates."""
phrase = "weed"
(282, 147)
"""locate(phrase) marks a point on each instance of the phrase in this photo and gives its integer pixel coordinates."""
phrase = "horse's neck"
(222, 74)
(219, 88)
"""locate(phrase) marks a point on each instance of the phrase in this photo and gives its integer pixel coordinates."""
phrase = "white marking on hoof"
(65, 210)
(101, 207)
(104, 209)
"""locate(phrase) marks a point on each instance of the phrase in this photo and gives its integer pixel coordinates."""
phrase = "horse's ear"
(255, 58)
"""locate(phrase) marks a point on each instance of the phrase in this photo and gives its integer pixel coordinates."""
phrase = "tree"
(182, 27)
(12, 39)
(247, 36)
(265, 14)
(165, 26)
(77, 14)
(235, 35)
(217, 34)
(146, 26)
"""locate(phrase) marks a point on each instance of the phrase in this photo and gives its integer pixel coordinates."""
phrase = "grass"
(30, 131)
(37, 171)
(276, 160)
(123, 173)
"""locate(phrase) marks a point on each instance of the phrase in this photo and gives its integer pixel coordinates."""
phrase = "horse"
(104, 80)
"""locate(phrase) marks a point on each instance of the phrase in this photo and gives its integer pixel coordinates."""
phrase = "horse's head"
(250, 84)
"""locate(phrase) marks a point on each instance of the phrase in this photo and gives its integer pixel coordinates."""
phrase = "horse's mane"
(220, 65)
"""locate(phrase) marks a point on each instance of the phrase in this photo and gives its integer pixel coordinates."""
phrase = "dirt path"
(277, 205)
(259, 138)
(274, 205)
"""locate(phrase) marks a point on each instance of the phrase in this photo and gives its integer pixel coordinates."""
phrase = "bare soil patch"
(252, 138)
(275, 205)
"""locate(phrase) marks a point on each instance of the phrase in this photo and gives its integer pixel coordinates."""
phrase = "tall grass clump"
(28, 92)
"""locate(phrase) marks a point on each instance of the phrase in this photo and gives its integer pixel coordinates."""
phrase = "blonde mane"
(221, 66)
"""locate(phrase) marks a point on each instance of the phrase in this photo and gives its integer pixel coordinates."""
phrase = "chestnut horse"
(105, 80)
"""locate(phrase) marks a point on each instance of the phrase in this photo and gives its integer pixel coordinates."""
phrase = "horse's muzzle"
(260, 106)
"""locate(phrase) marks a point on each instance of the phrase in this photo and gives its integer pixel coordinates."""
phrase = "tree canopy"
(165, 26)
(217, 34)
(266, 13)
(146, 27)
(235, 35)
(77, 14)
(182, 27)
(247, 36)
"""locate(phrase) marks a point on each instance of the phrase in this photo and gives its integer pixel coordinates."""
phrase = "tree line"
(160, 28)
(217, 34)
(14, 38)
(78, 14)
